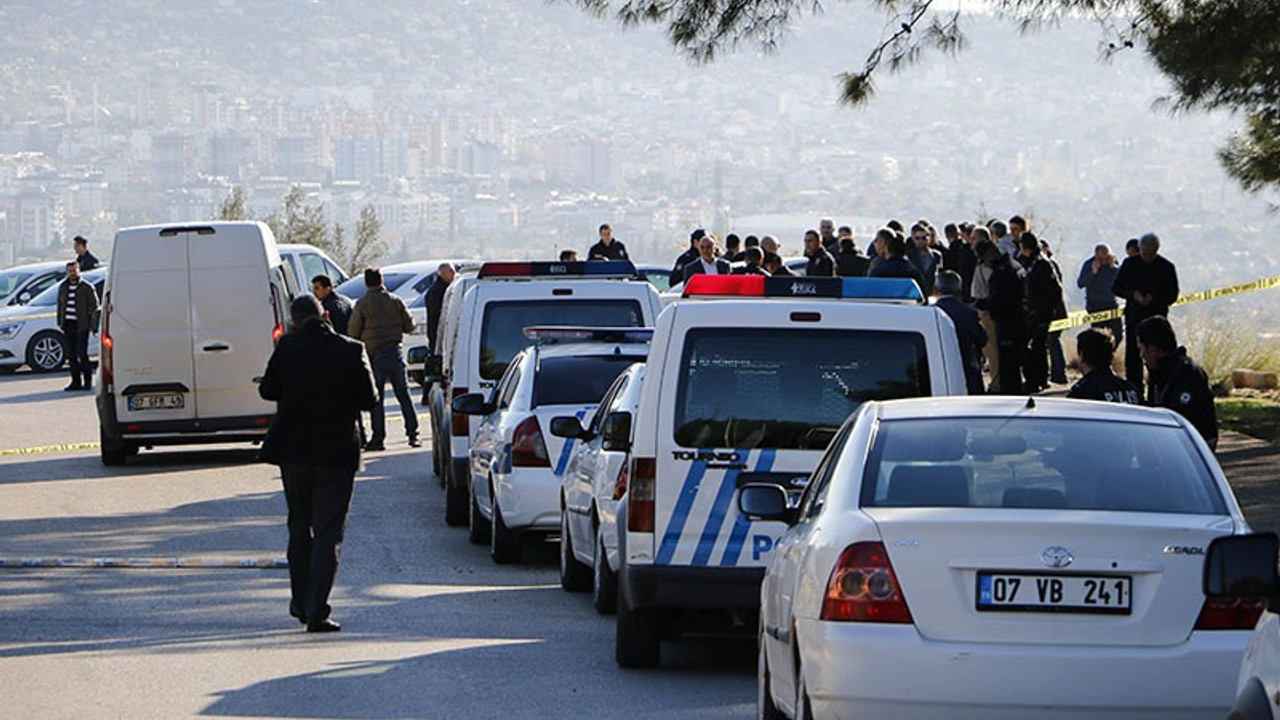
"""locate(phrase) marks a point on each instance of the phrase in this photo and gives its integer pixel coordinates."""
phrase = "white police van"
(482, 329)
(748, 379)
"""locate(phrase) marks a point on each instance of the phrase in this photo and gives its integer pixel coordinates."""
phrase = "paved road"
(432, 629)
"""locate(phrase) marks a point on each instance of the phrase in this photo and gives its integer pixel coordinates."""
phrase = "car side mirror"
(765, 501)
(1243, 566)
(615, 432)
(568, 426)
(472, 404)
(24, 297)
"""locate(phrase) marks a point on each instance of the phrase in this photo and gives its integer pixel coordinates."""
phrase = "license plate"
(1110, 594)
(158, 401)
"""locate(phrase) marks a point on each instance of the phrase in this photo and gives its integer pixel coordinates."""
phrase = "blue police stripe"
(738, 536)
(711, 531)
(563, 462)
(684, 503)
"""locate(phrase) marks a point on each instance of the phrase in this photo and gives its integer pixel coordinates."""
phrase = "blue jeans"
(388, 365)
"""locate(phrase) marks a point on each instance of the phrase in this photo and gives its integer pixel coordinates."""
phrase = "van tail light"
(620, 483)
(1230, 613)
(863, 588)
(640, 495)
(461, 424)
(276, 333)
(107, 346)
(527, 446)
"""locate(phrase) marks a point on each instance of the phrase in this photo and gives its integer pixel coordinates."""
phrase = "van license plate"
(158, 401)
(1111, 594)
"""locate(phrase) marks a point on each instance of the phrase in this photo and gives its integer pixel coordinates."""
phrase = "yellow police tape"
(65, 447)
(1081, 317)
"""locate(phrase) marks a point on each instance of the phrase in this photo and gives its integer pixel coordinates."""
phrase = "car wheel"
(638, 644)
(46, 351)
(504, 545)
(574, 575)
(456, 496)
(477, 527)
(604, 582)
(114, 450)
(765, 708)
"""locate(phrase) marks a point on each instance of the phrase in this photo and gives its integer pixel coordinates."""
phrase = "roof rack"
(588, 268)
(892, 290)
(550, 334)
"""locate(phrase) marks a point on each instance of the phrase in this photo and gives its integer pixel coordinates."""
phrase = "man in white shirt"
(706, 262)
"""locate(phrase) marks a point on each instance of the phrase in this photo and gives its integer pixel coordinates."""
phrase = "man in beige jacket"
(380, 320)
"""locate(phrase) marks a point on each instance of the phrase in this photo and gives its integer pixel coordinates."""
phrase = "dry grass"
(1221, 346)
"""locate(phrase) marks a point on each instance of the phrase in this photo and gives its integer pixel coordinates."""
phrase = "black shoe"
(295, 612)
(374, 446)
(325, 625)
(73, 387)
(414, 441)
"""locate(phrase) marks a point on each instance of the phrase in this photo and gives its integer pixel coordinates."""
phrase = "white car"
(1000, 558)
(591, 488)
(1239, 568)
(29, 334)
(515, 467)
(21, 283)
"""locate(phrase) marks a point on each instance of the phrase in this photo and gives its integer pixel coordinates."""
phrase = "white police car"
(515, 466)
(748, 379)
(29, 334)
(482, 326)
(591, 487)
(1240, 574)
(1001, 557)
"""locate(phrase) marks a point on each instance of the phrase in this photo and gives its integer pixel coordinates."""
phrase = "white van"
(190, 317)
(482, 329)
(748, 379)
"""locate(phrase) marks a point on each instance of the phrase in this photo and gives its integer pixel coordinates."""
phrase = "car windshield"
(789, 388)
(502, 335)
(1049, 463)
(580, 380)
(11, 280)
(354, 287)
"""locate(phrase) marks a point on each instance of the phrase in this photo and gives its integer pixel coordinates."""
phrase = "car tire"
(456, 497)
(504, 545)
(575, 576)
(477, 526)
(1251, 703)
(638, 642)
(765, 707)
(114, 450)
(46, 352)
(604, 581)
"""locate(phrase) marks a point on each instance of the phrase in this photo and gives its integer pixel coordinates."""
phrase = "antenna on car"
(1031, 402)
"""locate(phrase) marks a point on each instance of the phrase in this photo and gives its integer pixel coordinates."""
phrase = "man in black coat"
(706, 262)
(821, 264)
(320, 381)
(850, 262)
(969, 330)
(1044, 304)
(686, 257)
(77, 302)
(1177, 382)
(607, 248)
(1148, 283)
(1005, 303)
(337, 306)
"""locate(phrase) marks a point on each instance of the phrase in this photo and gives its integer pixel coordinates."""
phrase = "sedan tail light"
(527, 446)
(1235, 613)
(640, 495)
(863, 588)
(460, 425)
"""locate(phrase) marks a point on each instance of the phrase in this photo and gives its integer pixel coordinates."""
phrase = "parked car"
(1001, 557)
(21, 283)
(29, 334)
(303, 262)
(1239, 566)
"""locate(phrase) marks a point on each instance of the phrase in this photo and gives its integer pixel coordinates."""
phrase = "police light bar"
(861, 288)
(567, 333)
(590, 268)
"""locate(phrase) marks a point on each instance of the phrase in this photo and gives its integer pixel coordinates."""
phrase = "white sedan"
(29, 334)
(1001, 558)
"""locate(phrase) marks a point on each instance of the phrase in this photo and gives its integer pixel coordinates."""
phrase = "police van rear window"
(789, 388)
(581, 380)
(502, 334)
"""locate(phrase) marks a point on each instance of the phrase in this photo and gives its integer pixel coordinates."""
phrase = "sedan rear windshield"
(502, 335)
(1048, 463)
(789, 388)
(581, 380)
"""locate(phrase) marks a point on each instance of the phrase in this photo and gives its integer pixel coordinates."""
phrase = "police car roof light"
(592, 268)
(572, 333)
(882, 289)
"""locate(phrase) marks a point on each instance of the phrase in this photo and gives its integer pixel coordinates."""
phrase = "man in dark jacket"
(1095, 351)
(969, 329)
(754, 263)
(1148, 283)
(821, 264)
(380, 321)
(1005, 303)
(1044, 305)
(850, 262)
(1097, 277)
(337, 307)
(706, 262)
(77, 302)
(1177, 382)
(84, 258)
(320, 381)
(927, 260)
(959, 256)
(895, 262)
(686, 257)
(607, 248)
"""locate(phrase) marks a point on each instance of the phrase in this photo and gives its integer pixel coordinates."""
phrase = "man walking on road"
(1149, 285)
(320, 381)
(77, 302)
(380, 321)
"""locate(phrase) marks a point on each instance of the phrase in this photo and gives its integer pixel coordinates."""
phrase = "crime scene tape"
(133, 563)
(1081, 317)
(64, 447)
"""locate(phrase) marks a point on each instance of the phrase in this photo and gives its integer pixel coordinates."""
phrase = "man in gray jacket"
(380, 321)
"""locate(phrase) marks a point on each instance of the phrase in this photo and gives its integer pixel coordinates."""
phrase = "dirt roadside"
(1252, 467)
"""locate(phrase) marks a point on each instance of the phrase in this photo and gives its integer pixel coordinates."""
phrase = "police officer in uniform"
(1095, 350)
(1177, 382)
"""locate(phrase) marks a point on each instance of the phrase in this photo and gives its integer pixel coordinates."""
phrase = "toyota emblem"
(1056, 557)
